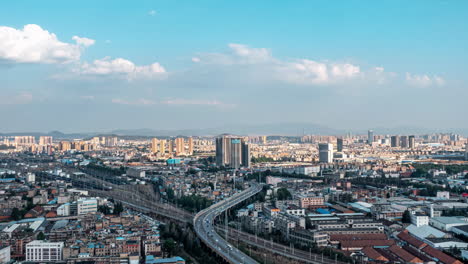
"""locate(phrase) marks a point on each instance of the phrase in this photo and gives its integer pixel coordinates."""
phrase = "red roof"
(366, 243)
(403, 254)
(411, 240)
(373, 254)
(441, 256)
(344, 237)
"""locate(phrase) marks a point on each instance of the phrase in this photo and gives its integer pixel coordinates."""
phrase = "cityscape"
(205, 132)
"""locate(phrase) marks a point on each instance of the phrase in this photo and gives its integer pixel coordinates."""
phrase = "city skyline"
(189, 65)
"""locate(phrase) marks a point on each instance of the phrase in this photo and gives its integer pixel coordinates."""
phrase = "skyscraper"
(232, 152)
(154, 145)
(411, 142)
(45, 140)
(170, 146)
(370, 137)
(190, 146)
(395, 141)
(325, 152)
(162, 146)
(466, 151)
(339, 144)
(180, 146)
(404, 141)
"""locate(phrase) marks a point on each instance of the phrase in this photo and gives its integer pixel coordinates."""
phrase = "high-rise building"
(411, 142)
(162, 146)
(466, 151)
(154, 145)
(190, 146)
(370, 137)
(180, 146)
(325, 152)
(395, 141)
(170, 146)
(110, 141)
(65, 145)
(404, 141)
(45, 140)
(339, 144)
(264, 139)
(232, 152)
(24, 140)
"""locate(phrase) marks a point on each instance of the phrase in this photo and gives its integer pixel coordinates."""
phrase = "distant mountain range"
(286, 129)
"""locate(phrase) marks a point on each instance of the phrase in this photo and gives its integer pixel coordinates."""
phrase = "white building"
(43, 251)
(443, 195)
(63, 210)
(86, 206)
(325, 152)
(30, 177)
(136, 172)
(5, 255)
(296, 211)
(446, 223)
(419, 219)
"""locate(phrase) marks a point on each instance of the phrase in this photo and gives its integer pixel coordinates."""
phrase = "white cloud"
(152, 12)
(258, 64)
(86, 42)
(299, 71)
(32, 44)
(180, 101)
(120, 68)
(173, 102)
(20, 98)
(141, 102)
(424, 80)
(251, 55)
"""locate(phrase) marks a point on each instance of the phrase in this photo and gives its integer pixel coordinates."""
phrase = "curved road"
(203, 223)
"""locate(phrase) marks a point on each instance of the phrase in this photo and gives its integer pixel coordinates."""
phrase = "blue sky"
(103, 65)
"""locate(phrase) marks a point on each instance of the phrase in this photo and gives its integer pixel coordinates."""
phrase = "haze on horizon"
(92, 66)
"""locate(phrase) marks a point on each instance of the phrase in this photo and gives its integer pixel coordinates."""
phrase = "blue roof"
(151, 260)
(7, 179)
(322, 211)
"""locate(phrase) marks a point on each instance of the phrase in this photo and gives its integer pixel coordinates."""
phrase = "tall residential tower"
(232, 152)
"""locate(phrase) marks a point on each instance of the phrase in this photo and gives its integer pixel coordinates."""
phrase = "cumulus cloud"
(120, 68)
(86, 42)
(424, 80)
(299, 71)
(32, 44)
(261, 65)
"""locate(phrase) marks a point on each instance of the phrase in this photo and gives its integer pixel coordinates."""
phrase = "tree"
(16, 214)
(104, 209)
(283, 194)
(118, 208)
(406, 217)
(170, 194)
(40, 236)
(169, 246)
